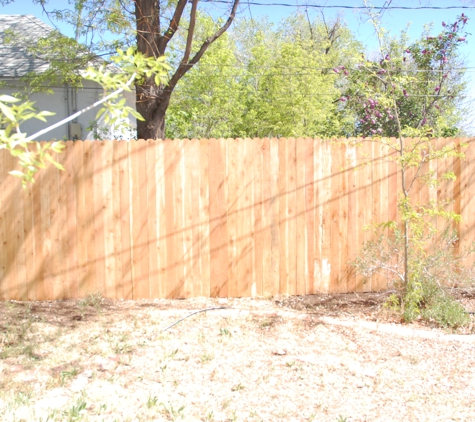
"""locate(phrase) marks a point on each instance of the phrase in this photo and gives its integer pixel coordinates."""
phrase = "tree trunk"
(152, 103)
(152, 100)
(154, 125)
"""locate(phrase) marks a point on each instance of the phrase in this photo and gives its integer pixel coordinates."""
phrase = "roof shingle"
(15, 60)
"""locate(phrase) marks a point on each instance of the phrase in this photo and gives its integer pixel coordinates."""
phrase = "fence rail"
(184, 218)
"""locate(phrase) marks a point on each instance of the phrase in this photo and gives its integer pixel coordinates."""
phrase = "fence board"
(233, 178)
(80, 211)
(361, 203)
(12, 281)
(275, 210)
(467, 202)
(325, 200)
(29, 241)
(161, 217)
(182, 218)
(317, 179)
(300, 217)
(140, 248)
(335, 214)
(188, 163)
(383, 209)
(266, 223)
(22, 223)
(99, 219)
(48, 290)
(351, 158)
(309, 192)
(110, 272)
(16, 252)
(283, 218)
(292, 214)
(116, 219)
(152, 217)
(217, 219)
(69, 184)
(125, 216)
(205, 219)
(89, 233)
(257, 230)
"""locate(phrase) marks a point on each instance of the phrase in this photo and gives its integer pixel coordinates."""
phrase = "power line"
(238, 66)
(248, 73)
(319, 94)
(316, 6)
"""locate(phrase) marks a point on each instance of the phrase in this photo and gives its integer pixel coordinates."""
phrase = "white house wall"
(63, 104)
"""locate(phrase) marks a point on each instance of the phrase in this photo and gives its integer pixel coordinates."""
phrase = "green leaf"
(8, 99)
(16, 173)
(8, 112)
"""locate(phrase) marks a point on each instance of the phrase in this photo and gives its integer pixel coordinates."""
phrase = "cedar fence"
(220, 218)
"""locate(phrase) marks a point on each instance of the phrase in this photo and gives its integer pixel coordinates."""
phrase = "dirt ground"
(304, 358)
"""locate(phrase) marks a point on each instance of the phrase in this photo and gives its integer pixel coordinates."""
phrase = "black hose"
(193, 313)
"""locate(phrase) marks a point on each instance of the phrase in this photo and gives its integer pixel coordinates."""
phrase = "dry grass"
(295, 359)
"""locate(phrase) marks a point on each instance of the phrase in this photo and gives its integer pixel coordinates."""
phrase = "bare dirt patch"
(322, 358)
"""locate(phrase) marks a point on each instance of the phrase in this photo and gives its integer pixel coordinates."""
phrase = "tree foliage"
(419, 82)
(399, 102)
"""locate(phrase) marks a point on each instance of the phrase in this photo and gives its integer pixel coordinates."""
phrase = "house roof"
(15, 60)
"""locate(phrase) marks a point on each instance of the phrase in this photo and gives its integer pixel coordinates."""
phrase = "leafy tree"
(205, 102)
(294, 93)
(266, 82)
(424, 78)
(154, 24)
(404, 256)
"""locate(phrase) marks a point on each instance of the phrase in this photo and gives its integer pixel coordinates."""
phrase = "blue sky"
(393, 20)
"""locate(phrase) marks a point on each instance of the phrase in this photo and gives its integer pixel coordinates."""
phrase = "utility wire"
(324, 94)
(316, 6)
(239, 66)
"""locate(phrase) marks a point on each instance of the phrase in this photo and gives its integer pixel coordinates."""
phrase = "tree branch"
(172, 26)
(191, 30)
(186, 66)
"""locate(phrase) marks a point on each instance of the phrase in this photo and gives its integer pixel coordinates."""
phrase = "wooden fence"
(183, 218)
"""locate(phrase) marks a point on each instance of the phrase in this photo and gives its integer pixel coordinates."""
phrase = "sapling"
(399, 100)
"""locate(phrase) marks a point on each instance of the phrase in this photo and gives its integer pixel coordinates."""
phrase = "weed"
(15, 335)
(93, 300)
(122, 346)
(67, 375)
(430, 275)
(206, 358)
(446, 312)
(238, 387)
(225, 404)
(209, 416)
(171, 355)
(76, 411)
(152, 401)
(171, 412)
(341, 419)
(266, 323)
(224, 332)
(23, 398)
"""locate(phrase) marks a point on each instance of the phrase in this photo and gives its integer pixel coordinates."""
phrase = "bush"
(431, 276)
